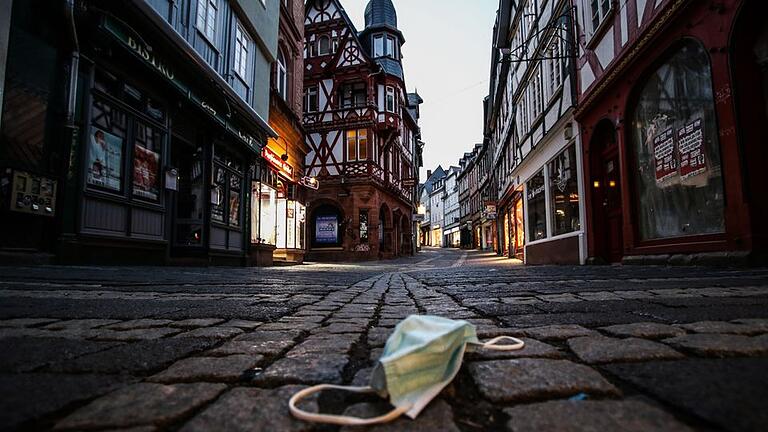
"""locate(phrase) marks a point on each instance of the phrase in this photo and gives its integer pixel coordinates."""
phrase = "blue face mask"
(421, 357)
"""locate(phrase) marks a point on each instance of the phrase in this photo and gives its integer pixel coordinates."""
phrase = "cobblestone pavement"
(608, 348)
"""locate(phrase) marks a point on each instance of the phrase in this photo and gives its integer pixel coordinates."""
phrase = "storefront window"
(674, 134)
(146, 162)
(226, 189)
(190, 201)
(537, 207)
(564, 188)
(106, 147)
(267, 215)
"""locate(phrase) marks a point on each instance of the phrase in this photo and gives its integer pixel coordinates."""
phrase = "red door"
(608, 221)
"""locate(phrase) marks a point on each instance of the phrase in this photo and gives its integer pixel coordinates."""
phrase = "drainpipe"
(67, 190)
(73, 67)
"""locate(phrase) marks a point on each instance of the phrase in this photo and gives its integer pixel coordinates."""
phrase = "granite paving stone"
(28, 354)
(212, 332)
(647, 330)
(720, 327)
(557, 332)
(139, 324)
(80, 324)
(211, 369)
(730, 393)
(197, 322)
(309, 369)
(253, 409)
(532, 349)
(524, 380)
(30, 396)
(142, 404)
(721, 345)
(26, 322)
(136, 334)
(592, 416)
(601, 349)
(242, 324)
(436, 417)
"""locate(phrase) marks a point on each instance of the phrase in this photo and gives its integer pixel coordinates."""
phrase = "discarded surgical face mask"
(421, 357)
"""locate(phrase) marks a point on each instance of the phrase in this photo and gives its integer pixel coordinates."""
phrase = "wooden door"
(607, 217)
(612, 208)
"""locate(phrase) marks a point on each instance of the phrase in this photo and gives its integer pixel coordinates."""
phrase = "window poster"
(105, 160)
(146, 173)
(691, 149)
(327, 230)
(664, 154)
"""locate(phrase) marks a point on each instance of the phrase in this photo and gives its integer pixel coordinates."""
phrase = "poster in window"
(691, 149)
(234, 208)
(664, 154)
(146, 179)
(105, 160)
(327, 230)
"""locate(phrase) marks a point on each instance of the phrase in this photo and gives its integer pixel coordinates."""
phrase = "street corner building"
(362, 131)
(131, 130)
(624, 132)
(672, 103)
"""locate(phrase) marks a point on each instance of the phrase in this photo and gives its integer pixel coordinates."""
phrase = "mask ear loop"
(493, 346)
(336, 419)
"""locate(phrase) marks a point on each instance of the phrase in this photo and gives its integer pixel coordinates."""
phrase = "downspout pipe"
(74, 65)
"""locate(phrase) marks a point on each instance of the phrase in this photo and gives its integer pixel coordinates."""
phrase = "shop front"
(279, 214)
(160, 171)
(673, 173)
(437, 236)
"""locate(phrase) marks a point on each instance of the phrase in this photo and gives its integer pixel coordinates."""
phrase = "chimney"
(429, 174)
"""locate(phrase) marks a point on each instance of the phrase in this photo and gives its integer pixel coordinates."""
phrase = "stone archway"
(325, 225)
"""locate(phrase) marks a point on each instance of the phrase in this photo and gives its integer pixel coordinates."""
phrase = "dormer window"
(391, 47)
(378, 46)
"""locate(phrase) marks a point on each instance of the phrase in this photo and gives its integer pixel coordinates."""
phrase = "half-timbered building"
(362, 134)
(532, 137)
(672, 105)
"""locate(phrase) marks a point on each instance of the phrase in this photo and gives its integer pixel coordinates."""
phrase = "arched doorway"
(608, 220)
(749, 63)
(385, 229)
(325, 223)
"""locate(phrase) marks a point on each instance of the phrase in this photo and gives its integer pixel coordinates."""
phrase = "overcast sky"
(447, 58)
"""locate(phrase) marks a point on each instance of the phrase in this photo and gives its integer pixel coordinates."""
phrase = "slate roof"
(380, 13)
(391, 67)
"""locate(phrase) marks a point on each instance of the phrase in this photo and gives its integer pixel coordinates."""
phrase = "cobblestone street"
(607, 348)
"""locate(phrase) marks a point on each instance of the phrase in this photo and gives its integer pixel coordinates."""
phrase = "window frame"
(207, 27)
(281, 74)
(242, 45)
(308, 94)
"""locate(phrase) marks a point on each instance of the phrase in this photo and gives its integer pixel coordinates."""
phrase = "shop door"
(519, 229)
(606, 187)
(188, 225)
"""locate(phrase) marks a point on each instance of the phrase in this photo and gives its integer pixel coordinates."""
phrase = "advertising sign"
(664, 154)
(691, 149)
(284, 168)
(146, 169)
(327, 230)
(105, 160)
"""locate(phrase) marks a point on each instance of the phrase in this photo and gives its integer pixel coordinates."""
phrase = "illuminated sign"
(276, 161)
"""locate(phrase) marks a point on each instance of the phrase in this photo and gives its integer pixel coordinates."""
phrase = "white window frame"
(207, 13)
(379, 51)
(390, 99)
(242, 55)
(320, 51)
(281, 80)
(308, 97)
(598, 13)
(360, 142)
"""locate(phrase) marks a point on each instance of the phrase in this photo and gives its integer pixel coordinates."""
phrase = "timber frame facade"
(362, 134)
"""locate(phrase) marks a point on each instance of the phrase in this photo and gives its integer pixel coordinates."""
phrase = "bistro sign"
(146, 53)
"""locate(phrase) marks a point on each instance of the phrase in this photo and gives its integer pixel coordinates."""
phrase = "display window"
(125, 142)
(226, 189)
(564, 191)
(674, 135)
(277, 218)
(190, 201)
(537, 207)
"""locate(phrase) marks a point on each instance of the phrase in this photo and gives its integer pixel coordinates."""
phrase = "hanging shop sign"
(664, 154)
(283, 167)
(158, 63)
(327, 230)
(691, 149)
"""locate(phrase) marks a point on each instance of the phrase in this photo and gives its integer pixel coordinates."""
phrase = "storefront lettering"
(208, 108)
(285, 168)
(145, 53)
